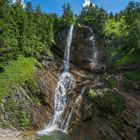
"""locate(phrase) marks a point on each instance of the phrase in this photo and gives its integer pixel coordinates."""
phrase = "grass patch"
(16, 73)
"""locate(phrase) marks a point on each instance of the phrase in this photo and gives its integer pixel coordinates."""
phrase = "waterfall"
(73, 109)
(67, 50)
(95, 53)
(65, 86)
(95, 48)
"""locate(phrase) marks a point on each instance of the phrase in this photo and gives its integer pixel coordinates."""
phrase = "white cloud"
(87, 3)
(22, 2)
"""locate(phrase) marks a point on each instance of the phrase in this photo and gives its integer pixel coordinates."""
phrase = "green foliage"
(32, 85)
(93, 17)
(128, 85)
(24, 121)
(16, 73)
(108, 101)
(110, 81)
(28, 32)
(67, 16)
(16, 112)
(122, 34)
(92, 93)
(132, 80)
(8, 33)
(132, 57)
(133, 75)
(115, 28)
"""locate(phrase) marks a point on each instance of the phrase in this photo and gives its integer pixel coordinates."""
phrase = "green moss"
(92, 93)
(36, 101)
(16, 73)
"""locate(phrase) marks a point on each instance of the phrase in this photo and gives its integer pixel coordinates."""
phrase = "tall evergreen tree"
(8, 33)
(132, 19)
(67, 16)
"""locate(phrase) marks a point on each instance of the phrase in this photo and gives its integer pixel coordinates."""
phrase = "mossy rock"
(110, 81)
(107, 101)
(32, 85)
(128, 85)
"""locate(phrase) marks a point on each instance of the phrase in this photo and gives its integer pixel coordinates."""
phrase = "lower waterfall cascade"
(65, 86)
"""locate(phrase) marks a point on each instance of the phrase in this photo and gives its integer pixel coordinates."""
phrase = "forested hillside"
(32, 33)
(32, 55)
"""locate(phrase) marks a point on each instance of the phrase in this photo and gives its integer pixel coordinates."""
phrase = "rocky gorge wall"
(84, 45)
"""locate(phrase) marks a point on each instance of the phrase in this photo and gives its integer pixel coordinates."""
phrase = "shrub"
(107, 101)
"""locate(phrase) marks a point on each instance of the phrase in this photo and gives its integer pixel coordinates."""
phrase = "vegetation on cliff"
(16, 73)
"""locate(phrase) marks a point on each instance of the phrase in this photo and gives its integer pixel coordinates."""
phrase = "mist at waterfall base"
(66, 83)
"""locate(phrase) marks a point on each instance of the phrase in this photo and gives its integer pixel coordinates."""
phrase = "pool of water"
(56, 135)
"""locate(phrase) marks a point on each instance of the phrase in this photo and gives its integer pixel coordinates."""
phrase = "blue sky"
(55, 6)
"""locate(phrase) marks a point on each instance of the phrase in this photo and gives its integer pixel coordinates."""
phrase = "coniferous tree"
(67, 16)
(8, 33)
(132, 19)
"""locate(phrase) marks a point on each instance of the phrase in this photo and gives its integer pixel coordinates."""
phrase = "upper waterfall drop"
(67, 50)
(95, 53)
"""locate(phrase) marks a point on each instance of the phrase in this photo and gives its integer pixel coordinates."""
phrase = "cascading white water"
(67, 50)
(95, 48)
(65, 86)
(95, 53)
(68, 118)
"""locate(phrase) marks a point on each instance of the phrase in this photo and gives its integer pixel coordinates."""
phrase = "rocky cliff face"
(103, 111)
(84, 46)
